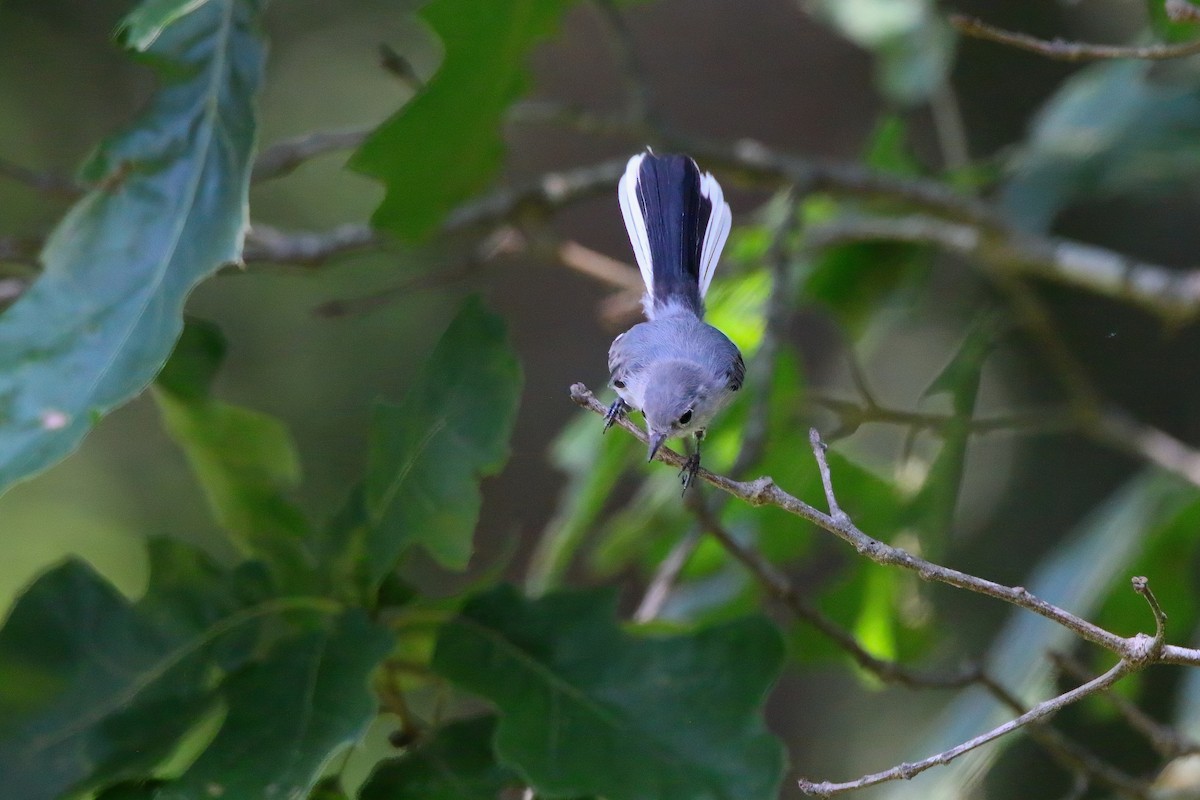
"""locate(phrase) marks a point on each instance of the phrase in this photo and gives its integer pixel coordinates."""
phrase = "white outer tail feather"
(719, 223)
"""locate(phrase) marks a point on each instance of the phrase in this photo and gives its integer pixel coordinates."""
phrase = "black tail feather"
(676, 215)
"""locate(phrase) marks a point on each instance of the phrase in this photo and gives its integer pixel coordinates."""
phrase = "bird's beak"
(656, 440)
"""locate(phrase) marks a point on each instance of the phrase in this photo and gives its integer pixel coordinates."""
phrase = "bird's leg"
(615, 412)
(687, 475)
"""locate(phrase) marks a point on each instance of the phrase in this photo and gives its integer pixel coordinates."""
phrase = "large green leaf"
(95, 689)
(169, 207)
(445, 144)
(428, 453)
(245, 460)
(289, 713)
(147, 22)
(457, 764)
(90, 690)
(587, 709)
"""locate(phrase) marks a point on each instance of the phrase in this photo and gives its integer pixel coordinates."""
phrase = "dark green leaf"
(289, 713)
(445, 144)
(587, 709)
(147, 22)
(244, 460)
(855, 280)
(428, 453)
(328, 789)
(189, 372)
(1110, 129)
(90, 690)
(457, 764)
(95, 689)
(169, 208)
(130, 790)
(932, 510)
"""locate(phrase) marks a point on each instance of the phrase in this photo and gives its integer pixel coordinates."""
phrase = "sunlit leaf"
(445, 144)
(587, 709)
(169, 207)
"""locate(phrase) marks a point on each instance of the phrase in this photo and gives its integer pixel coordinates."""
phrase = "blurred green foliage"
(255, 664)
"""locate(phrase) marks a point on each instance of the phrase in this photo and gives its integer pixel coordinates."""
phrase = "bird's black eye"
(686, 418)
(619, 384)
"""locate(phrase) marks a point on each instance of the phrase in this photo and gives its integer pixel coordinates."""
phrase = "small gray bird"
(676, 369)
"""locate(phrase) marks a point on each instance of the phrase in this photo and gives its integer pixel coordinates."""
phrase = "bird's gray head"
(681, 398)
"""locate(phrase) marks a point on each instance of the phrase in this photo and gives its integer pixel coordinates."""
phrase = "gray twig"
(1172, 294)
(47, 182)
(640, 108)
(1062, 50)
(656, 594)
(284, 157)
(1039, 712)
(764, 491)
(265, 243)
(1167, 741)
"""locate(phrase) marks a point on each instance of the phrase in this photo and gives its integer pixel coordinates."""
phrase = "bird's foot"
(615, 412)
(687, 475)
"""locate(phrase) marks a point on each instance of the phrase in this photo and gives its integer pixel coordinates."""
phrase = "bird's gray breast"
(675, 338)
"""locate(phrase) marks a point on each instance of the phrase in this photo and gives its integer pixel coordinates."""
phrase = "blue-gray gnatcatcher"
(676, 369)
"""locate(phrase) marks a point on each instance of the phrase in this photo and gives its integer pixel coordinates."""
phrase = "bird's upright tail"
(678, 221)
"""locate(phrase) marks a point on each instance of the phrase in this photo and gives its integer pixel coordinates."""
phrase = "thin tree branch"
(1062, 50)
(603, 268)
(778, 586)
(265, 243)
(46, 182)
(283, 157)
(948, 125)
(1169, 293)
(1143, 651)
(1135, 652)
(852, 415)
(665, 577)
(640, 107)
(1067, 753)
(1181, 11)
(1166, 740)
(764, 491)
(911, 769)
